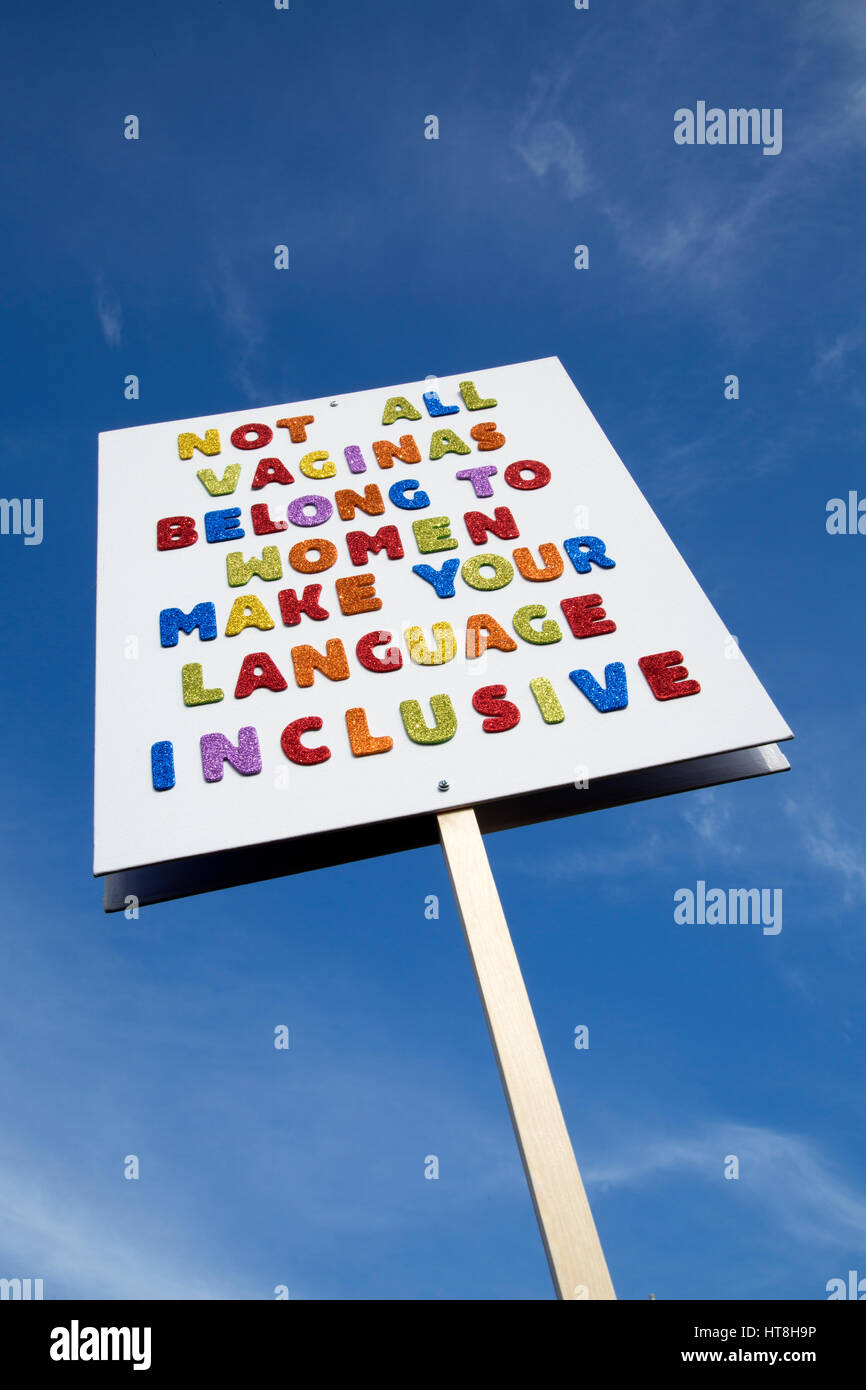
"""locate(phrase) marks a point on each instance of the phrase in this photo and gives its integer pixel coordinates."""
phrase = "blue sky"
(408, 257)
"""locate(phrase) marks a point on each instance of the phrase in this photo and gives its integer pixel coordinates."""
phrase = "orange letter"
(386, 452)
(295, 425)
(553, 563)
(306, 661)
(347, 501)
(495, 636)
(361, 740)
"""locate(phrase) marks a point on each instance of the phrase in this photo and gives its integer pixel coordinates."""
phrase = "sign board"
(321, 624)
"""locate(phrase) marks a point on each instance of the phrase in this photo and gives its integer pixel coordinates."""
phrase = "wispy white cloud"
(831, 359)
(91, 1234)
(544, 141)
(830, 846)
(48, 1233)
(244, 325)
(711, 819)
(550, 145)
(697, 231)
(836, 23)
(708, 240)
(784, 1176)
(702, 241)
(823, 842)
(647, 851)
(110, 315)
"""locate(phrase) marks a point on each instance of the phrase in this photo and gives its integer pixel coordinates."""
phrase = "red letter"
(360, 544)
(392, 660)
(270, 679)
(270, 471)
(290, 742)
(665, 677)
(477, 524)
(586, 617)
(263, 434)
(174, 532)
(262, 524)
(488, 700)
(292, 607)
(540, 475)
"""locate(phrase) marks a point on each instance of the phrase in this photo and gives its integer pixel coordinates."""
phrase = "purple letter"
(478, 477)
(217, 749)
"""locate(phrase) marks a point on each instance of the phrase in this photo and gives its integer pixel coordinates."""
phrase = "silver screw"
(443, 786)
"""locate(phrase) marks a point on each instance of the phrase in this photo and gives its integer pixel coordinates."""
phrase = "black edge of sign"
(181, 878)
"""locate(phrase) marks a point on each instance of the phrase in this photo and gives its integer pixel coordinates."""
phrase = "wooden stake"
(571, 1243)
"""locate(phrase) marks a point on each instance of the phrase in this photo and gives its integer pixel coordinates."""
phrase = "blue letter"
(162, 766)
(582, 563)
(435, 406)
(224, 526)
(616, 694)
(397, 494)
(172, 621)
(442, 580)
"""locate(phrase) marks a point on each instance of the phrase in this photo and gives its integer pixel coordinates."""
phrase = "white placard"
(649, 593)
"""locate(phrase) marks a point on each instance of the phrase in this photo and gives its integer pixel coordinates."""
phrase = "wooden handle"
(571, 1243)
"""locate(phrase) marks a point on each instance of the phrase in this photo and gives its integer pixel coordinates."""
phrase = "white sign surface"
(611, 700)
